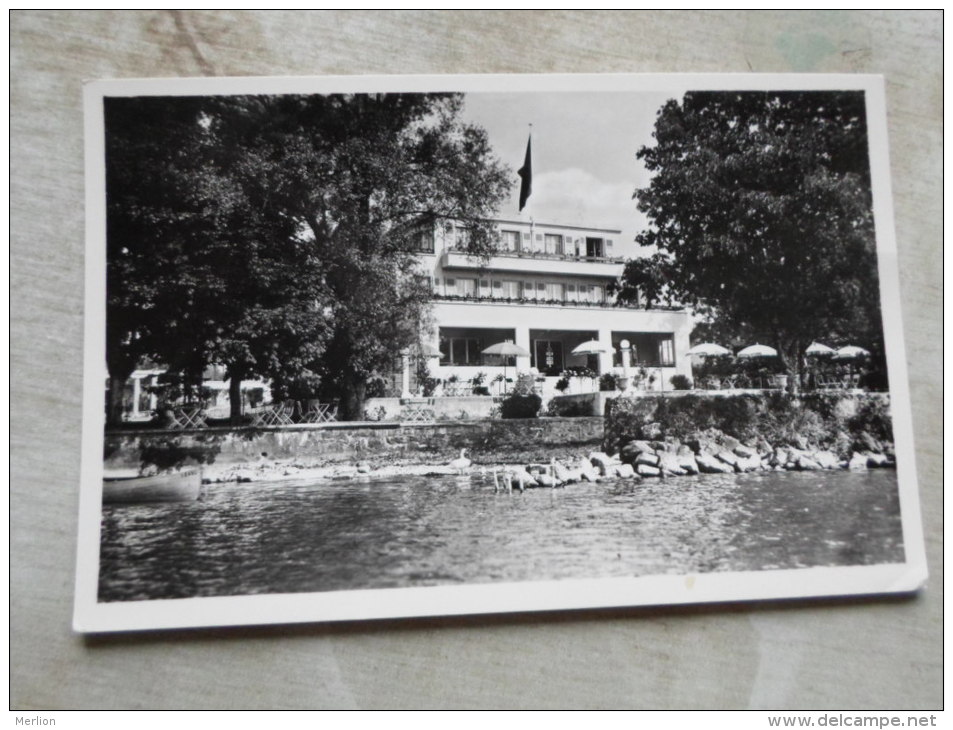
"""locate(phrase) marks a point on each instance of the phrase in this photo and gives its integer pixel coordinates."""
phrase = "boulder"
(648, 459)
(602, 460)
(826, 459)
(729, 443)
(668, 463)
(728, 457)
(625, 471)
(745, 452)
(806, 463)
(749, 463)
(687, 462)
(561, 472)
(877, 460)
(648, 471)
(708, 464)
(858, 462)
(780, 457)
(588, 471)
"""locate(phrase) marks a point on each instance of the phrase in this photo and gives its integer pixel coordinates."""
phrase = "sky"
(584, 144)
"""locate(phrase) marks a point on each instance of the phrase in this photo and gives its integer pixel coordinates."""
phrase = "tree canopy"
(761, 217)
(275, 234)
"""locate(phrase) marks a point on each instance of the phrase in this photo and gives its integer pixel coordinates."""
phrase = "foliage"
(778, 418)
(562, 385)
(681, 382)
(608, 381)
(761, 216)
(274, 234)
(570, 408)
(579, 371)
(520, 405)
(481, 390)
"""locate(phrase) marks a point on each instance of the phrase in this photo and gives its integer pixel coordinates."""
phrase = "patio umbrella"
(505, 350)
(758, 351)
(850, 352)
(591, 347)
(816, 348)
(708, 349)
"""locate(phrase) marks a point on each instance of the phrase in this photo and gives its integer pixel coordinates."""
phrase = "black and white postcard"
(379, 347)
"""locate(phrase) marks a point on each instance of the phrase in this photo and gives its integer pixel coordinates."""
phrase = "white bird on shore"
(462, 463)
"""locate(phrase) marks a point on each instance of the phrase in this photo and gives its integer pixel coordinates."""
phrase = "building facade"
(548, 292)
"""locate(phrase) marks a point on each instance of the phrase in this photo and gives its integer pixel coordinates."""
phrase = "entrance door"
(548, 356)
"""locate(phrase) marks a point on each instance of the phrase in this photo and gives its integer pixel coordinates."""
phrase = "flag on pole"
(526, 174)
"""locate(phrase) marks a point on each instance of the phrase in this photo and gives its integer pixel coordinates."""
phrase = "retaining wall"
(346, 442)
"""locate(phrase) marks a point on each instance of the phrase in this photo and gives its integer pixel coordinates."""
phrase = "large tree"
(201, 265)
(761, 217)
(365, 176)
(254, 231)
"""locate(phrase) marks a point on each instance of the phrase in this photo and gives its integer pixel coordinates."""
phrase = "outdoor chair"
(187, 417)
(314, 411)
(280, 414)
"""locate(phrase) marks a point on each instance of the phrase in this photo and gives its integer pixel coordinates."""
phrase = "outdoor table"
(317, 412)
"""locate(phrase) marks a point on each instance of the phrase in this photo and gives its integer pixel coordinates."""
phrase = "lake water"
(423, 531)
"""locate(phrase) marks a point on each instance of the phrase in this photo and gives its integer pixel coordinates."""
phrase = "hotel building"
(546, 290)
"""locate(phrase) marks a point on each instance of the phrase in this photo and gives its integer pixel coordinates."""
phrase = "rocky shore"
(638, 459)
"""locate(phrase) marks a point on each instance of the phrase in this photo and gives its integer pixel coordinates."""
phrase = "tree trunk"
(235, 397)
(117, 385)
(351, 406)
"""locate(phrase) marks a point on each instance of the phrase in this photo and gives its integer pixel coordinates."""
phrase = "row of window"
(549, 356)
(556, 244)
(513, 289)
(553, 244)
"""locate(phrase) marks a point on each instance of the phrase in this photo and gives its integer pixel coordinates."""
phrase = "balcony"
(543, 263)
(544, 302)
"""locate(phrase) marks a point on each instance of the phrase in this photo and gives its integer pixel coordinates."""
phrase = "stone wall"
(341, 443)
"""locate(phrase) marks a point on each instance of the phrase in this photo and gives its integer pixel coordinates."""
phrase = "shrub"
(562, 384)
(873, 417)
(518, 405)
(608, 381)
(570, 408)
(481, 390)
(681, 382)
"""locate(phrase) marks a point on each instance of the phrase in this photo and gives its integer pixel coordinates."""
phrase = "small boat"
(184, 485)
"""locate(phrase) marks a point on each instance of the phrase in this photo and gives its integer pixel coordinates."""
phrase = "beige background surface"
(822, 654)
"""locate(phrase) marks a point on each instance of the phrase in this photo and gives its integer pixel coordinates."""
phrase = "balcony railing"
(543, 302)
(544, 256)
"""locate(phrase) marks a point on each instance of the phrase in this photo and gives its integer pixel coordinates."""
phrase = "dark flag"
(526, 173)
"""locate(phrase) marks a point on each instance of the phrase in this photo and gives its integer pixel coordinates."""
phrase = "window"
(583, 293)
(529, 290)
(497, 289)
(461, 351)
(554, 292)
(571, 295)
(540, 290)
(666, 352)
(423, 240)
(466, 287)
(594, 248)
(484, 287)
(511, 241)
(511, 289)
(553, 244)
(423, 282)
(597, 293)
(451, 286)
